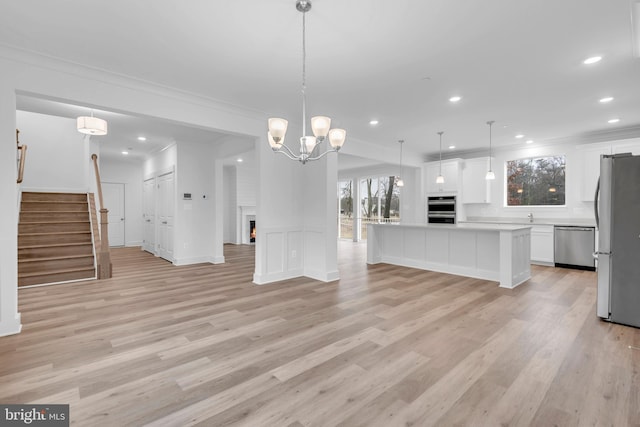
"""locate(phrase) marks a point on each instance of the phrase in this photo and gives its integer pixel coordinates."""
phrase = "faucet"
(530, 216)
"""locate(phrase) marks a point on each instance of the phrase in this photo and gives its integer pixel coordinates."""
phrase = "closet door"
(165, 215)
(149, 215)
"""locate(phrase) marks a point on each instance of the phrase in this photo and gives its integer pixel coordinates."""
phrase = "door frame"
(124, 212)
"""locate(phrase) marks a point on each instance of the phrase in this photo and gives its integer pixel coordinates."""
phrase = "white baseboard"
(12, 327)
(263, 279)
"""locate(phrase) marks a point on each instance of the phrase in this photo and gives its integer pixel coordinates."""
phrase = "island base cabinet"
(498, 253)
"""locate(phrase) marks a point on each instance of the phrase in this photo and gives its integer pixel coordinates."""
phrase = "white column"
(218, 207)
(355, 207)
(9, 316)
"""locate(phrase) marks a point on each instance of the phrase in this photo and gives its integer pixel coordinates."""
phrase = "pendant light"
(400, 182)
(490, 175)
(440, 178)
(320, 125)
(91, 125)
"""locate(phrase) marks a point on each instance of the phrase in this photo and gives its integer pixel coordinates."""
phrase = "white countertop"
(579, 222)
(464, 226)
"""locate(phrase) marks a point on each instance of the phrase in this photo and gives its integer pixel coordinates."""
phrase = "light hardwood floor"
(386, 345)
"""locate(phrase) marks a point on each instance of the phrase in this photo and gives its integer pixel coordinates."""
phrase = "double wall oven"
(441, 210)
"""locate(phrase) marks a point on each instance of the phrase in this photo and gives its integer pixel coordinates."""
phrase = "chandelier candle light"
(490, 175)
(440, 178)
(320, 125)
(400, 182)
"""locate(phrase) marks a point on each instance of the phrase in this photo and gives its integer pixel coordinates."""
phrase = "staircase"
(54, 239)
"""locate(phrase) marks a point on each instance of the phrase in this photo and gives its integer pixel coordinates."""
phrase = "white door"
(149, 215)
(113, 196)
(166, 198)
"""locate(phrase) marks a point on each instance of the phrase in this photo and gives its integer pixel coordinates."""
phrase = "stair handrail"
(104, 254)
(22, 154)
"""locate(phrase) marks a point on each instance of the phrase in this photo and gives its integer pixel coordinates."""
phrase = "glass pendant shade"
(309, 143)
(320, 126)
(440, 179)
(337, 137)
(277, 129)
(91, 125)
(490, 175)
(275, 145)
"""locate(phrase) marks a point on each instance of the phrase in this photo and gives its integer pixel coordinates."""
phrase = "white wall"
(129, 174)
(195, 218)
(56, 153)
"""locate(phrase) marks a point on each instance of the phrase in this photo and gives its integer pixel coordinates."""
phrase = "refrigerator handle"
(595, 204)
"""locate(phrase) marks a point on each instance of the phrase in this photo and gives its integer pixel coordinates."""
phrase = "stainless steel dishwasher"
(574, 246)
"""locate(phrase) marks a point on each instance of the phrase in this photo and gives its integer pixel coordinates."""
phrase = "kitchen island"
(499, 252)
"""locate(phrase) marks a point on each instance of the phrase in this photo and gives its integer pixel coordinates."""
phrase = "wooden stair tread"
(60, 271)
(54, 232)
(56, 258)
(53, 222)
(54, 245)
(58, 202)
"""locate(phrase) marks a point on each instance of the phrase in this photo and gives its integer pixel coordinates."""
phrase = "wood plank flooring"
(162, 345)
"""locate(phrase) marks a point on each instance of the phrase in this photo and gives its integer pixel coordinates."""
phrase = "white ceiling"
(516, 62)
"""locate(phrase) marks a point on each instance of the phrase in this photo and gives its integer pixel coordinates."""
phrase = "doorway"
(113, 194)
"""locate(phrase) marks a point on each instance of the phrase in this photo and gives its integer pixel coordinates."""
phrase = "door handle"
(164, 222)
(147, 220)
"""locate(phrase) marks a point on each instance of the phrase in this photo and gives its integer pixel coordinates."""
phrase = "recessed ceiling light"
(125, 152)
(529, 141)
(142, 138)
(451, 147)
(239, 160)
(519, 136)
(607, 99)
(455, 98)
(373, 122)
(592, 60)
(613, 121)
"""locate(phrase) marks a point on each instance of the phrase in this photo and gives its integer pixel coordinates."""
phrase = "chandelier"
(320, 125)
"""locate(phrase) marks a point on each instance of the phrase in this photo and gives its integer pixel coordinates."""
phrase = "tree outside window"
(536, 181)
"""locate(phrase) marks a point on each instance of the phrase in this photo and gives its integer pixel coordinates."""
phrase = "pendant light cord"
(440, 133)
(490, 123)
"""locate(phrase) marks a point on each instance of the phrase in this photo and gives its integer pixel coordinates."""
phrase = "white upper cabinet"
(591, 169)
(591, 162)
(475, 188)
(629, 146)
(450, 173)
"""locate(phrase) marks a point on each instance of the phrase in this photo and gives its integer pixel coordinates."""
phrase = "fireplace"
(246, 225)
(252, 231)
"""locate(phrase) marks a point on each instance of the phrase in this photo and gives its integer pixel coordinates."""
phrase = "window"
(537, 181)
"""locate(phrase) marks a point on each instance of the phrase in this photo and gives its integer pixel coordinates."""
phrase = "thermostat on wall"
(186, 196)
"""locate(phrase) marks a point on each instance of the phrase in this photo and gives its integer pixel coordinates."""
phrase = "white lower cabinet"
(542, 244)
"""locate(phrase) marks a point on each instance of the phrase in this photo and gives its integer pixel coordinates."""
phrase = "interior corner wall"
(129, 174)
(195, 219)
(56, 153)
(279, 240)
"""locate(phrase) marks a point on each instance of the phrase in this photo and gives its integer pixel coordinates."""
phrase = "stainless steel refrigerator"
(617, 211)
